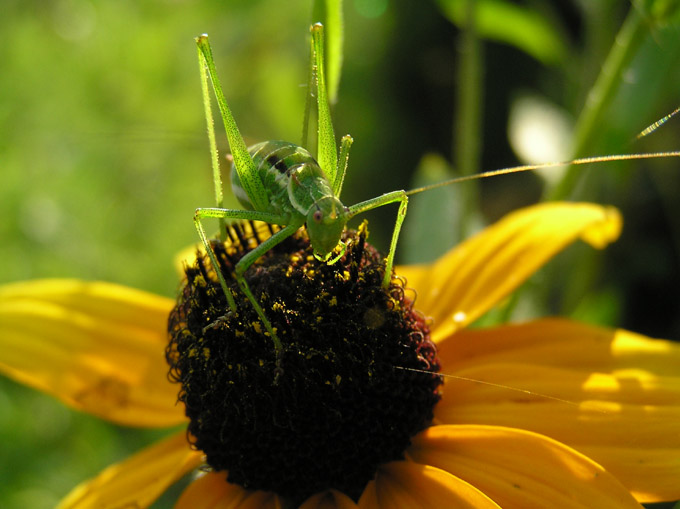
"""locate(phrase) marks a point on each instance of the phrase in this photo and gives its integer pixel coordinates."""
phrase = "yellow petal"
(186, 257)
(560, 342)
(212, 491)
(330, 499)
(661, 469)
(407, 484)
(477, 274)
(520, 469)
(611, 394)
(139, 480)
(96, 346)
(414, 274)
(260, 500)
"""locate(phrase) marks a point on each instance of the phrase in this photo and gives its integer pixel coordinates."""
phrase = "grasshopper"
(281, 183)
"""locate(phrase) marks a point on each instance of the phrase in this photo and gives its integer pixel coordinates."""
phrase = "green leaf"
(662, 11)
(329, 13)
(520, 26)
(433, 222)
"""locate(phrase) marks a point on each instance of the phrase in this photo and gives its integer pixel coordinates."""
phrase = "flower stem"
(466, 142)
(626, 44)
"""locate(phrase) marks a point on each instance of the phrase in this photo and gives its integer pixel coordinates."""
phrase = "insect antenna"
(650, 129)
(532, 167)
(503, 386)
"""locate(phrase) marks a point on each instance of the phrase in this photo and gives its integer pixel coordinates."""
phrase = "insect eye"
(318, 216)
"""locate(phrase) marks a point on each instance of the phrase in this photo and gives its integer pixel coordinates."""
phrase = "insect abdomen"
(276, 162)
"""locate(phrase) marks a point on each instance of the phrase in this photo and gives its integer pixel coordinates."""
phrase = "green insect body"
(297, 190)
(281, 183)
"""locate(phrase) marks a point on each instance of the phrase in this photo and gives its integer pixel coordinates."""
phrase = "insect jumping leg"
(374, 203)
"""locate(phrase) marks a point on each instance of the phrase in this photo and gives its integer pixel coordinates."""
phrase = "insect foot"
(339, 407)
(218, 322)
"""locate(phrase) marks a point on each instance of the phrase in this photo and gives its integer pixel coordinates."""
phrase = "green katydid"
(283, 184)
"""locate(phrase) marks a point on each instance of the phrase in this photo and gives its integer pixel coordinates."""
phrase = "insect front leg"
(374, 203)
(343, 160)
(240, 269)
(243, 265)
(246, 261)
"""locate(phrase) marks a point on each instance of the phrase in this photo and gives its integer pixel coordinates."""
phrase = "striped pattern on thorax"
(276, 163)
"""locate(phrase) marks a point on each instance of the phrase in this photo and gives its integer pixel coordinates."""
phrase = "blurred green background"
(103, 154)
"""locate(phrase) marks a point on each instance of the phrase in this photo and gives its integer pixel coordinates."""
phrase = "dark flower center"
(343, 403)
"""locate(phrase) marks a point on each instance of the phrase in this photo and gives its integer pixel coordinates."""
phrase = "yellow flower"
(550, 413)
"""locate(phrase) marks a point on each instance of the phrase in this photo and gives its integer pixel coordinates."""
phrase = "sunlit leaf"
(524, 28)
(433, 223)
(329, 12)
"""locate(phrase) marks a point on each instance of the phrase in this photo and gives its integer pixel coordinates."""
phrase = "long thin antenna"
(531, 167)
(500, 386)
(650, 129)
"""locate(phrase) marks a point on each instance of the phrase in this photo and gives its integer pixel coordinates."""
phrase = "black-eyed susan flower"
(550, 413)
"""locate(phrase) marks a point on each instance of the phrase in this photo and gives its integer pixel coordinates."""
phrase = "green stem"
(467, 128)
(625, 46)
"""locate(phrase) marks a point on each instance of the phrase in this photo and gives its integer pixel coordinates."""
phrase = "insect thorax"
(291, 177)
